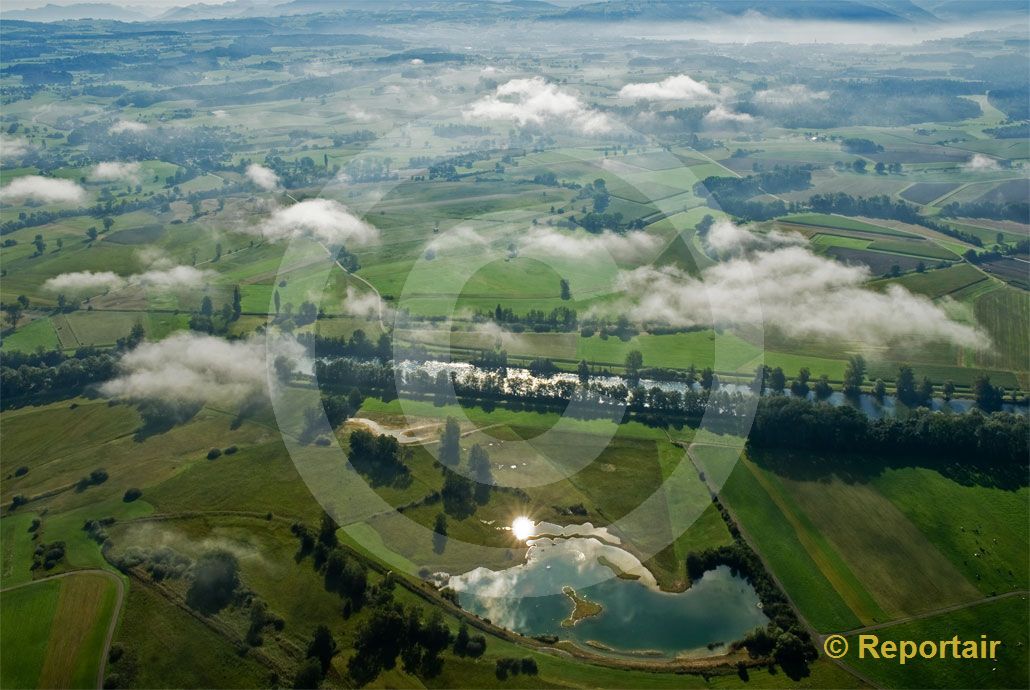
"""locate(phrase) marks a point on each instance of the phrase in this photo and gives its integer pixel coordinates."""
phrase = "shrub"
(215, 580)
(131, 495)
(231, 450)
(21, 471)
(214, 453)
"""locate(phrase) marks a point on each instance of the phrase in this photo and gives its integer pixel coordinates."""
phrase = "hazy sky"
(145, 6)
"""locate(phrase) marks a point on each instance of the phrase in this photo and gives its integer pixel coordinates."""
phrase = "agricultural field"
(844, 538)
(1003, 620)
(63, 625)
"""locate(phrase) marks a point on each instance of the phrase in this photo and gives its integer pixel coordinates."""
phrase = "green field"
(30, 610)
(1005, 620)
(842, 544)
(841, 222)
(940, 282)
(1005, 315)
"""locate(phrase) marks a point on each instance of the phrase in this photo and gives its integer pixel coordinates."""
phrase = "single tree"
(925, 392)
(12, 313)
(634, 362)
(880, 390)
(799, 388)
(906, 386)
(322, 647)
(854, 376)
(583, 371)
(777, 381)
(988, 397)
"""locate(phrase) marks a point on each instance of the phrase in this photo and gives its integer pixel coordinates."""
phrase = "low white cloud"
(365, 305)
(536, 102)
(123, 126)
(111, 170)
(727, 239)
(356, 113)
(789, 95)
(417, 61)
(154, 257)
(174, 278)
(462, 236)
(13, 149)
(196, 368)
(794, 291)
(49, 190)
(722, 114)
(323, 220)
(632, 246)
(981, 163)
(84, 283)
(220, 114)
(681, 87)
(499, 336)
(263, 177)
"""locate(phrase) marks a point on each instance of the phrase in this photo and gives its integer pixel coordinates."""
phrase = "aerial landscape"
(424, 344)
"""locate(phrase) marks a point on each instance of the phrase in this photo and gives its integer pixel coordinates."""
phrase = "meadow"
(838, 544)
(1004, 620)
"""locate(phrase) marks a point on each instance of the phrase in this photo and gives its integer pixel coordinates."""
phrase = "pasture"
(1005, 315)
(1005, 620)
(838, 546)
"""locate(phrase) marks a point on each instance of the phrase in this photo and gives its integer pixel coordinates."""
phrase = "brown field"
(77, 627)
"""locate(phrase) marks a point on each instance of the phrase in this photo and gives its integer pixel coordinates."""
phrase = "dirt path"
(401, 434)
(118, 603)
(934, 612)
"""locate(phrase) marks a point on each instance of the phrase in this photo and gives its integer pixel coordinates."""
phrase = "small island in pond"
(582, 608)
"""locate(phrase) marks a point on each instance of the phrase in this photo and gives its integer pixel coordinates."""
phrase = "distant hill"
(85, 10)
(707, 10)
(227, 10)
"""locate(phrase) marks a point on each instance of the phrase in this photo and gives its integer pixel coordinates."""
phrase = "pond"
(635, 617)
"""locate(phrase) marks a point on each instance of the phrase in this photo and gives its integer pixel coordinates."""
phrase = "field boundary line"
(935, 612)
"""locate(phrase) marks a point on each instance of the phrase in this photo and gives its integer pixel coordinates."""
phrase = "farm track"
(115, 615)
(935, 612)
